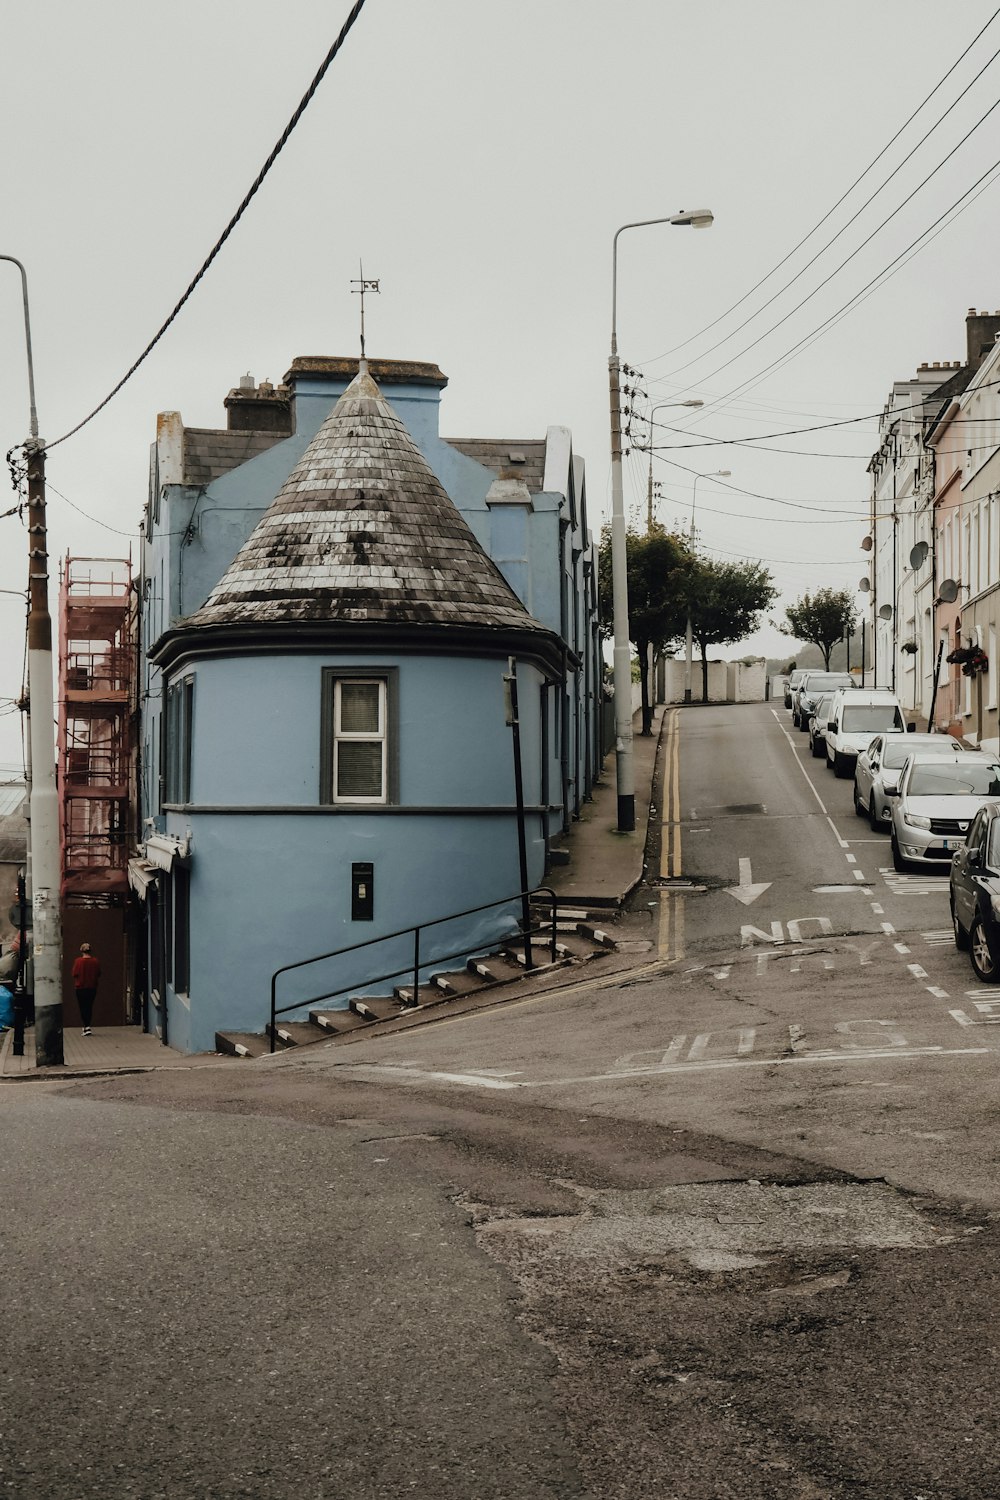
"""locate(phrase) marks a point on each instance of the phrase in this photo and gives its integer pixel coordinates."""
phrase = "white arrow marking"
(746, 892)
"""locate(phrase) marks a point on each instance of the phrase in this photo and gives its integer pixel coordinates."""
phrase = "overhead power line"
(279, 145)
(912, 249)
(844, 196)
(858, 249)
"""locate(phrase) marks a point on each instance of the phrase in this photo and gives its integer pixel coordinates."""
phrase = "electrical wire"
(50, 487)
(853, 219)
(857, 251)
(857, 181)
(306, 99)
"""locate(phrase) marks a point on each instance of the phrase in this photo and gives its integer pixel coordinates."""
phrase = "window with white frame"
(358, 751)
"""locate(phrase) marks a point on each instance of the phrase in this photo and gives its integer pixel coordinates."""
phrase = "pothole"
(724, 1226)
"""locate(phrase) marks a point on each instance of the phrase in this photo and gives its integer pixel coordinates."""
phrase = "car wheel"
(873, 821)
(816, 746)
(841, 766)
(898, 862)
(986, 967)
(795, 721)
(961, 936)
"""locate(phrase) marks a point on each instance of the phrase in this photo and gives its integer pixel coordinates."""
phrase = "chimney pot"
(247, 382)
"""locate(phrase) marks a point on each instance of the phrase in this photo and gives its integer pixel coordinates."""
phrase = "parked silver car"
(817, 725)
(813, 685)
(877, 771)
(791, 683)
(938, 799)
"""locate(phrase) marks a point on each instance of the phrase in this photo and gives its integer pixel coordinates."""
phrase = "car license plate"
(954, 843)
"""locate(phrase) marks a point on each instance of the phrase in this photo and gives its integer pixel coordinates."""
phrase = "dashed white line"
(902, 948)
(887, 928)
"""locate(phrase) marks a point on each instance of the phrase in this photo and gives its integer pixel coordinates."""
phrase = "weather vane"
(358, 287)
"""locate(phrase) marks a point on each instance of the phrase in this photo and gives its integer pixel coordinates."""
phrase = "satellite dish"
(885, 612)
(864, 585)
(867, 544)
(918, 554)
(948, 592)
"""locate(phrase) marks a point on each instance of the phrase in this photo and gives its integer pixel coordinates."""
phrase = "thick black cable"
(819, 224)
(355, 11)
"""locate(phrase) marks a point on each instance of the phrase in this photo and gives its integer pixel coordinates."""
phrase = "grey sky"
(479, 156)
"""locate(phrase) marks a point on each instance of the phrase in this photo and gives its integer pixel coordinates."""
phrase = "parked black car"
(975, 894)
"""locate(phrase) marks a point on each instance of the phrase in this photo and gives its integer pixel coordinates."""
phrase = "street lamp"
(689, 633)
(46, 942)
(649, 490)
(625, 771)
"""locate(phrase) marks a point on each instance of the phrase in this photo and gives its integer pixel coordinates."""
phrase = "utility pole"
(44, 805)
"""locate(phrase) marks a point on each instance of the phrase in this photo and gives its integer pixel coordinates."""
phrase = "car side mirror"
(891, 791)
(911, 728)
(831, 723)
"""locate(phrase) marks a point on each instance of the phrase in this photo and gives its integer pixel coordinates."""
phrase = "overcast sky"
(479, 156)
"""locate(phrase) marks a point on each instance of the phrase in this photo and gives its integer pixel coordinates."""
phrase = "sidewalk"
(604, 865)
(111, 1049)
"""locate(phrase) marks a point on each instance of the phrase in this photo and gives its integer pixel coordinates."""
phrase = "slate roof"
(525, 460)
(362, 530)
(210, 452)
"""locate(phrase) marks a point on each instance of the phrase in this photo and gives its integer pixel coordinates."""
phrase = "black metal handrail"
(525, 931)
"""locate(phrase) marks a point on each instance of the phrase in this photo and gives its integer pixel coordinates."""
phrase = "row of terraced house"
(933, 589)
(334, 612)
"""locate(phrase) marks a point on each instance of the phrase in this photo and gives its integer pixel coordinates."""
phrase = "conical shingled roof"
(362, 530)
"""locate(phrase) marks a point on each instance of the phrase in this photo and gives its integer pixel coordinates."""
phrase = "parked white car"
(857, 715)
(938, 799)
(877, 772)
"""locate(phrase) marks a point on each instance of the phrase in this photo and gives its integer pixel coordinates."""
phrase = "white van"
(856, 716)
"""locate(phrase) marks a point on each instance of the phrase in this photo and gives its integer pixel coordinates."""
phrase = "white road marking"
(901, 948)
(877, 909)
(987, 1011)
(473, 1080)
(888, 928)
(858, 875)
(938, 992)
(852, 859)
(939, 939)
(832, 890)
(819, 799)
(746, 892)
(916, 970)
(911, 885)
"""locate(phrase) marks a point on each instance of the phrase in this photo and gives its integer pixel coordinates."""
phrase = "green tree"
(726, 601)
(822, 618)
(656, 562)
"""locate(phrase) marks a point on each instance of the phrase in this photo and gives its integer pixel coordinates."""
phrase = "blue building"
(331, 595)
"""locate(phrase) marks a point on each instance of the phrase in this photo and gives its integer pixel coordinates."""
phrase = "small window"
(179, 716)
(359, 753)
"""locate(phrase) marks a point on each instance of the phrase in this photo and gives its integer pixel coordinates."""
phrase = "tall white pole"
(46, 937)
(689, 633)
(622, 659)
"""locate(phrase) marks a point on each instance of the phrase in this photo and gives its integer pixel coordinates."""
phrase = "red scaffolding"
(96, 752)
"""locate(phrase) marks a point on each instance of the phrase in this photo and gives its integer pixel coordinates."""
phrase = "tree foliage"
(656, 563)
(726, 601)
(823, 618)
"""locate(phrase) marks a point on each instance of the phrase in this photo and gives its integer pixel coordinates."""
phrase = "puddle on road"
(721, 1226)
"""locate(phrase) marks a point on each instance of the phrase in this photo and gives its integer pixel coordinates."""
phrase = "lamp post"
(649, 489)
(625, 770)
(689, 633)
(46, 941)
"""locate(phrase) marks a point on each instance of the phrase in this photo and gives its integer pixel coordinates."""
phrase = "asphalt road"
(725, 1228)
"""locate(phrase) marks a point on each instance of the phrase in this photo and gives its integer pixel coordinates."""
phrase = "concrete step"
(599, 935)
(427, 994)
(334, 1022)
(242, 1043)
(376, 1007)
(541, 955)
(497, 969)
(294, 1033)
(460, 981)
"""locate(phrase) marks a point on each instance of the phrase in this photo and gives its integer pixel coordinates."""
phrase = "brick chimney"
(259, 408)
(981, 329)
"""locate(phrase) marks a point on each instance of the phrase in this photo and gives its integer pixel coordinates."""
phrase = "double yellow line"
(671, 936)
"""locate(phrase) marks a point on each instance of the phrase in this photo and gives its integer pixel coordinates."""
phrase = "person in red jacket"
(86, 973)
